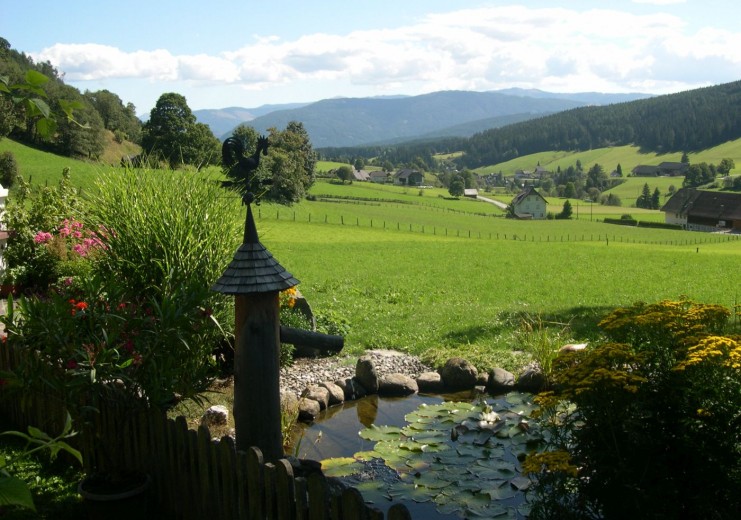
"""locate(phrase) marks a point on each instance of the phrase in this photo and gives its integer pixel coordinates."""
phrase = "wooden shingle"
(253, 268)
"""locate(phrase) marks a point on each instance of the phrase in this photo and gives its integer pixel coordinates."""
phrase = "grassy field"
(433, 295)
(415, 270)
(627, 156)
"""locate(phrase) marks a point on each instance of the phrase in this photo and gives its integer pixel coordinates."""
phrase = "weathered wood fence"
(194, 476)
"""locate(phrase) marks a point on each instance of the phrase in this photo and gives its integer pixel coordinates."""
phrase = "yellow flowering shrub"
(638, 421)
(550, 462)
(720, 350)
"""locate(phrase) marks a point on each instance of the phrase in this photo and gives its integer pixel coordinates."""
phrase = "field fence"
(289, 215)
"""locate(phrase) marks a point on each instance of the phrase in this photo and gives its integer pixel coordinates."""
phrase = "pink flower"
(42, 237)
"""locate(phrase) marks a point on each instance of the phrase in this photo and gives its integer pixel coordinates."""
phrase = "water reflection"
(334, 433)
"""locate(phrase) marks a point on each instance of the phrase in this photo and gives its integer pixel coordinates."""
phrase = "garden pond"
(442, 456)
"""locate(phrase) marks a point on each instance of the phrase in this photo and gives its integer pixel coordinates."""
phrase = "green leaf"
(61, 445)
(381, 433)
(38, 434)
(36, 78)
(15, 492)
(341, 467)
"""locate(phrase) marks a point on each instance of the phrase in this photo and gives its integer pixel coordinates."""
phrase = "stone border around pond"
(456, 375)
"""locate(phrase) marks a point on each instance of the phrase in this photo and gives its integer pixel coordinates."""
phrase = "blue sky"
(247, 53)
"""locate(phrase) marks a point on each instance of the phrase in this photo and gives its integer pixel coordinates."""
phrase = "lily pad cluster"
(463, 457)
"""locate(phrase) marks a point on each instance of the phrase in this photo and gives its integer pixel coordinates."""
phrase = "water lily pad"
(341, 467)
(520, 483)
(380, 433)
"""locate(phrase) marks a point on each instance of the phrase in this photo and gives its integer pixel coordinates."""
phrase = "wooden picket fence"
(193, 475)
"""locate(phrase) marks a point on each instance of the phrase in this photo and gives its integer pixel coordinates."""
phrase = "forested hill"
(687, 121)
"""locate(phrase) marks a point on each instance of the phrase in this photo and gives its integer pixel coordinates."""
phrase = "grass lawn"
(435, 296)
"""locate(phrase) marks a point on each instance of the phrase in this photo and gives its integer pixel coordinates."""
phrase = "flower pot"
(106, 499)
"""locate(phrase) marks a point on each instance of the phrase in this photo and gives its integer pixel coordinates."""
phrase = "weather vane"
(241, 169)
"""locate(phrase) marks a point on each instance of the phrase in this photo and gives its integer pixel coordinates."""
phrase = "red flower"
(71, 364)
(81, 306)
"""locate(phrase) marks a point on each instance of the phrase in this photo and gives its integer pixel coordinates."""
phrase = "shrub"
(8, 169)
(167, 234)
(90, 344)
(648, 419)
(33, 214)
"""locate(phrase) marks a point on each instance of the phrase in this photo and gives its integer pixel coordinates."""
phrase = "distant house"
(670, 169)
(699, 210)
(471, 192)
(408, 177)
(378, 176)
(529, 204)
(523, 175)
(360, 175)
(673, 169)
(541, 172)
(644, 170)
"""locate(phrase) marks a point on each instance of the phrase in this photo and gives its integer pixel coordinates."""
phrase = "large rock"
(308, 409)
(336, 394)
(288, 400)
(500, 381)
(397, 385)
(532, 380)
(366, 374)
(216, 415)
(459, 374)
(430, 382)
(317, 393)
(352, 389)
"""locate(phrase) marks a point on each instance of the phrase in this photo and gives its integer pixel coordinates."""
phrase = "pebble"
(313, 371)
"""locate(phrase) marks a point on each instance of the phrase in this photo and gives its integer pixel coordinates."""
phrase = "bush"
(36, 219)
(8, 169)
(645, 425)
(165, 231)
(168, 237)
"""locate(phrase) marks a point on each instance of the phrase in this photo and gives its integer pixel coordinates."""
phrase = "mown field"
(435, 295)
(411, 269)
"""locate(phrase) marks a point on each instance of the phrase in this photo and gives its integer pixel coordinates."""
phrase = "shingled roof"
(699, 203)
(253, 269)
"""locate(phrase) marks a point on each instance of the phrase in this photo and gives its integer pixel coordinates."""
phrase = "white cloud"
(659, 2)
(477, 49)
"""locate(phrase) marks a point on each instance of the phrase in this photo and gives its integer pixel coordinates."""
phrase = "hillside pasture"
(435, 296)
(627, 156)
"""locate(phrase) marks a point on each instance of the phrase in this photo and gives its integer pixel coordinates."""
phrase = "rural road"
(500, 205)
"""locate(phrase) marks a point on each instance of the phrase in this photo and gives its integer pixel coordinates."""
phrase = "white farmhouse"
(529, 204)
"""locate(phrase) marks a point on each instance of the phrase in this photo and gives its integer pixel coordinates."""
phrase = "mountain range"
(345, 122)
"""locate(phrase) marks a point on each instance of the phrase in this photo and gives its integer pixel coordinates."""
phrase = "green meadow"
(415, 270)
(435, 295)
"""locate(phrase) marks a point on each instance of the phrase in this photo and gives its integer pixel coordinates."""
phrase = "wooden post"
(257, 374)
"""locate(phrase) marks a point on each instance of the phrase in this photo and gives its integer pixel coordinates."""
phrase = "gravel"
(307, 371)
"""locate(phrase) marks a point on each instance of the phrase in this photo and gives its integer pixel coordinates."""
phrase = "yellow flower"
(549, 462)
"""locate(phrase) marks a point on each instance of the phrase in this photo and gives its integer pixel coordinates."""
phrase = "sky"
(245, 53)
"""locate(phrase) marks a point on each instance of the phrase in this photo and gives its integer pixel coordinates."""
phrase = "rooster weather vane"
(241, 169)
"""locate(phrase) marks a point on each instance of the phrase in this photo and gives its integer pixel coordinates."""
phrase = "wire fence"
(342, 220)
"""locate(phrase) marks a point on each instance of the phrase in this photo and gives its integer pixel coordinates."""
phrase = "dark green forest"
(687, 121)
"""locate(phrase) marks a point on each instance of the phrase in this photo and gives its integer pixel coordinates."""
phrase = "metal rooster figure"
(240, 169)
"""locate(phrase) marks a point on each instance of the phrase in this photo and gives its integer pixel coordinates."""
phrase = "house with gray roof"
(529, 204)
(701, 210)
(409, 177)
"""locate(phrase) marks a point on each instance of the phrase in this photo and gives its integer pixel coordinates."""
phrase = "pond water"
(336, 434)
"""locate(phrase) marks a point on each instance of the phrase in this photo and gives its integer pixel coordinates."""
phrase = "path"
(500, 205)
